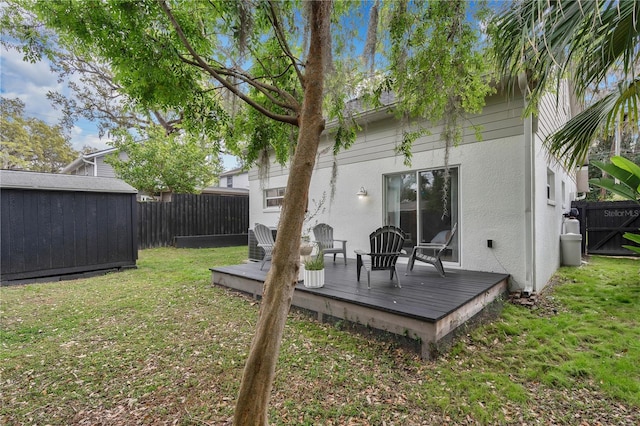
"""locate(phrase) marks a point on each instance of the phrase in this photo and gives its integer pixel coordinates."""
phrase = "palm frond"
(572, 141)
(585, 40)
(617, 42)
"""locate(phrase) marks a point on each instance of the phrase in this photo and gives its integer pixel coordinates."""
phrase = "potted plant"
(306, 246)
(314, 271)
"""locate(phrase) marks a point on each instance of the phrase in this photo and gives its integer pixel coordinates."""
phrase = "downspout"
(94, 163)
(529, 191)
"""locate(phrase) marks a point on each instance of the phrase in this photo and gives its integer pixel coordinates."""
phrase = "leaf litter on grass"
(160, 345)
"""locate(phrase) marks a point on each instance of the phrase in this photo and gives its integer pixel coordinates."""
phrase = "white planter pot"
(314, 279)
(301, 270)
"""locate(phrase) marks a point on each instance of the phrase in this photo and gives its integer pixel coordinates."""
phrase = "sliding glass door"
(424, 207)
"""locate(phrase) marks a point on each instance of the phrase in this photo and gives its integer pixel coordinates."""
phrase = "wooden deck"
(427, 309)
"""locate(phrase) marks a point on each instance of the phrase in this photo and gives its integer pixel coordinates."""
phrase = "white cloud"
(37, 73)
(30, 82)
(82, 136)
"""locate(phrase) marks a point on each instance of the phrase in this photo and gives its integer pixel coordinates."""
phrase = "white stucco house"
(506, 194)
(231, 182)
(234, 178)
(92, 164)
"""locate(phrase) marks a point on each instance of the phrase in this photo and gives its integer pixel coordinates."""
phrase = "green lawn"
(159, 345)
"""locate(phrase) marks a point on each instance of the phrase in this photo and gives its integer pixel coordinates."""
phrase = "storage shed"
(60, 226)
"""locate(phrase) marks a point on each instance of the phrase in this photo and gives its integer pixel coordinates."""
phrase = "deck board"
(426, 300)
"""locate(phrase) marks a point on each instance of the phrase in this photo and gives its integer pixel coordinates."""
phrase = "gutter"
(529, 192)
(71, 166)
(94, 163)
(85, 158)
(383, 111)
(362, 117)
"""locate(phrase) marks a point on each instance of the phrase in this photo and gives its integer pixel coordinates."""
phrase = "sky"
(31, 82)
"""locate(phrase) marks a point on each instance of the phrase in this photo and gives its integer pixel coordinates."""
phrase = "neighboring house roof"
(233, 172)
(85, 158)
(57, 182)
(225, 191)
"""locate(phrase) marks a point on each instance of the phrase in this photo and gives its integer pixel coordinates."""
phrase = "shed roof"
(57, 182)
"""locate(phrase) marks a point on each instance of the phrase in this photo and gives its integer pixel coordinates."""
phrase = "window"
(273, 197)
(229, 181)
(414, 203)
(551, 187)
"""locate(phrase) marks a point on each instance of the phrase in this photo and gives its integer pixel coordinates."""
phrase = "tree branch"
(283, 42)
(219, 77)
(264, 88)
(167, 125)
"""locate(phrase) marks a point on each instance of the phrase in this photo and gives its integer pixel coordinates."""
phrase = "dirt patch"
(543, 303)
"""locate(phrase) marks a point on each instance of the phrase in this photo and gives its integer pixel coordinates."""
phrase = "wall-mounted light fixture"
(362, 192)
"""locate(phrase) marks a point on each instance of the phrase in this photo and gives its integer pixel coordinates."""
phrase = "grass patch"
(159, 344)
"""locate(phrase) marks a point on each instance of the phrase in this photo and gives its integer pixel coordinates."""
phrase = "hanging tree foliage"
(265, 76)
(161, 157)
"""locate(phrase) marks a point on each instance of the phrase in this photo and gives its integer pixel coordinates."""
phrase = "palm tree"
(593, 43)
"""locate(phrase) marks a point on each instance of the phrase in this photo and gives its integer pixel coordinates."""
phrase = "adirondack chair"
(386, 246)
(265, 240)
(432, 252)
(323, 235)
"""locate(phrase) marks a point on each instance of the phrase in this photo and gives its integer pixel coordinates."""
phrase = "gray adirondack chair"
(432, 252)
(386, 246)
(265, 240)
(323, 235)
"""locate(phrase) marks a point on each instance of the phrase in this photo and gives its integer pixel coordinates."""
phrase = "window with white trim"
(273, 197)
(551, 187)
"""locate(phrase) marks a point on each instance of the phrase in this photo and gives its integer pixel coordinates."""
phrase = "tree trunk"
(259, 371)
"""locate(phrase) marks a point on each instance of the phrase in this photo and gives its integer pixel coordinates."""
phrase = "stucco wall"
(491, 180)
(240, 180)
(553, 112)
(491, 199)
(491, 202)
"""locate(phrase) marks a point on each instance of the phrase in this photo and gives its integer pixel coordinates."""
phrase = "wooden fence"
(205, 220)
(602, 225)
